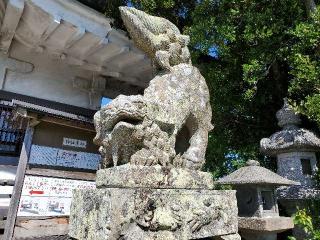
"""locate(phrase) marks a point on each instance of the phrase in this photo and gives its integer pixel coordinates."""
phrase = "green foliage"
(261, 51)
(304, 220)
(177, 11)
(249, 75)
(304, 59)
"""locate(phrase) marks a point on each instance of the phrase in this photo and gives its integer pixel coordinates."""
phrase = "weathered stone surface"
(133, 176)
(291, 138)
(169, 123)
(290, 167)
(254, 174)
(295, 149)
(298, 193)
(160, 39)
(277, 224)
(159, 139)
(152, 214)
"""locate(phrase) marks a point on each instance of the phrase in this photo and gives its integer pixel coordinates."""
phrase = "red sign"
(36, 192)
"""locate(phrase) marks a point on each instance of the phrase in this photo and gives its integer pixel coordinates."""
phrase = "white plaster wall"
(289, 166)
(51, 79)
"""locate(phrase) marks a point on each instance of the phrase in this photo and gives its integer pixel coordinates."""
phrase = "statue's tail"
(134, 18)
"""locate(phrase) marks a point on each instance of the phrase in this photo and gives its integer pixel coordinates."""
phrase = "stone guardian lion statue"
(169, 124)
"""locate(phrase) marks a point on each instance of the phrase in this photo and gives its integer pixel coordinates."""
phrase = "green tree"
(304, 57)
(252, 54)
(263, 51)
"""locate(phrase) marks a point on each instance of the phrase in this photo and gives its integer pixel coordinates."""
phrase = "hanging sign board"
(44, 155)
(74, 143)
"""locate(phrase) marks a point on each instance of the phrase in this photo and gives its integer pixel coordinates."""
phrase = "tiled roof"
(51, 111)
(44, 105)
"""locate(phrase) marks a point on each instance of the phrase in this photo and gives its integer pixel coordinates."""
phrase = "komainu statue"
(153, 146)
(169, 124)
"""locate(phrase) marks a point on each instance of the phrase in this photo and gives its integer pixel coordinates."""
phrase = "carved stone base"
(135, 176)
(152, 213)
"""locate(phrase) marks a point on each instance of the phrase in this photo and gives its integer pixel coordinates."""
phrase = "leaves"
(252, 54)
(305, 221)
(304, 56)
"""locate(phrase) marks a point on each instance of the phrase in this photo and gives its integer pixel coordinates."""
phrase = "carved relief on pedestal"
(140, 214)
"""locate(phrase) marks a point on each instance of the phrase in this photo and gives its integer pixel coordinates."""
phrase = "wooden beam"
(67, 123)
(75, 37)
(16, 194)
(74, 61)
(103, 42)
(115, 54)
(56, 21)
(111, 74)
(30, 227)
(44, 172)
(10, 23)
(92, 67)
(131, 61)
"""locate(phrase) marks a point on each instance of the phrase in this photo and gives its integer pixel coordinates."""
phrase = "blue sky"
(105, 101)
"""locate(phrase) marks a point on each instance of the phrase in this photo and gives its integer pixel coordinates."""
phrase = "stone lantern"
(295, 149)
(257, 202)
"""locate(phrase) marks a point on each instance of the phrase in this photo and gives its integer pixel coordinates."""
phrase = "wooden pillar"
(16, 194)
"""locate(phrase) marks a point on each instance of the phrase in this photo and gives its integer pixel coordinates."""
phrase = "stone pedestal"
(252, 228)
(136, 202)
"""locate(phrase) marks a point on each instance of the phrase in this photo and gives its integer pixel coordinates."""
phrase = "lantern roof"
(254, 174)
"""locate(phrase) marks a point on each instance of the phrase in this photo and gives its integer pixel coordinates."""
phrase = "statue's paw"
(163, 159)
(162, 60)
(150, 161)
(144, 158)
(179, 161)
(198, 220)
(192, 159)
